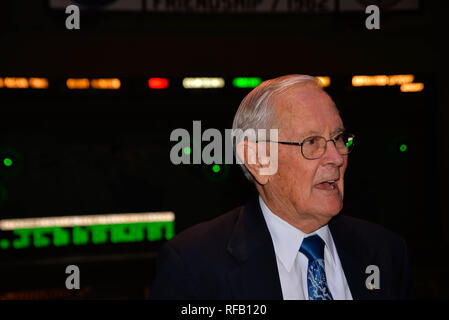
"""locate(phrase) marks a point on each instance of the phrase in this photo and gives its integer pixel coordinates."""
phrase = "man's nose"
(332, 155)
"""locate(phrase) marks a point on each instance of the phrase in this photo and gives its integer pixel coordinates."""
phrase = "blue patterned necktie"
(313, 248)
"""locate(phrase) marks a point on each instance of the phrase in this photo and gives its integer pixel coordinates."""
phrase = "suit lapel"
(354, 257)
(255, 275)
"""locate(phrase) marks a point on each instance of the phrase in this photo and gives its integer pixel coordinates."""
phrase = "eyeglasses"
(314, 147)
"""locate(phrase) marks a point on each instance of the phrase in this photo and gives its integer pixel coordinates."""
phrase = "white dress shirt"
(292, 264)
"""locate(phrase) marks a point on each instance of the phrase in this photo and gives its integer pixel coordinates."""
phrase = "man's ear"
(247, 152)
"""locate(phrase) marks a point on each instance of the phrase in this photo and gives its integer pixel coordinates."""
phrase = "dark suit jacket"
(232, 257)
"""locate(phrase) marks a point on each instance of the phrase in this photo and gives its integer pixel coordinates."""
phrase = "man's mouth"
(327, 185)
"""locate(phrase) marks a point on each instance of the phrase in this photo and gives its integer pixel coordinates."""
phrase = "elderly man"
(290, 242)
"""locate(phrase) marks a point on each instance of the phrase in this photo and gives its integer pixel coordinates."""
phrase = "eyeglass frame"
(300, 144)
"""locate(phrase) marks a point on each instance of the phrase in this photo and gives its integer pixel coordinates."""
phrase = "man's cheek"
(341, 187)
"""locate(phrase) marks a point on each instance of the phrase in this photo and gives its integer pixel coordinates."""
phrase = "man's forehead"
(303, 95)
(308, 111)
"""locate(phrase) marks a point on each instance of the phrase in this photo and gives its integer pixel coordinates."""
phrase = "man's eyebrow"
(317, 133)
(309, 133)
(340, 129)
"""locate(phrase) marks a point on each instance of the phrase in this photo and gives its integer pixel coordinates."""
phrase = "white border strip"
(86, 220)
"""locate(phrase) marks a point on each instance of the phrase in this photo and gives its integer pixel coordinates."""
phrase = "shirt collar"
(287, 239)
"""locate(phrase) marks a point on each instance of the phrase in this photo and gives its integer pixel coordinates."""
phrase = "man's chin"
(331, 205)
(332, 210)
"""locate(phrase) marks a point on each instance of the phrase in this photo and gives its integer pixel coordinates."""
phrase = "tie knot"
(313, 247)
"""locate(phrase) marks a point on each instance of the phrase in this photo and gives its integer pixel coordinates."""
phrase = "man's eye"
(339, 137)
(311, 140)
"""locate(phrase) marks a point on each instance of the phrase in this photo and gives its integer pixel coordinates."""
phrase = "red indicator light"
(158, 83)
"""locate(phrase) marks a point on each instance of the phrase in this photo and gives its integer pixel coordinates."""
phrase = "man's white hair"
(256, 111)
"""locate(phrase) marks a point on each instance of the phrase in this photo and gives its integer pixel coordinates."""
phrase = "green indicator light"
(90, 234)
(187, 150)
(244, 82)
(24, 238)
(99, 233)
(60, 237)
(4, 244)
(403, 147)
(216, 168)
(7, 162)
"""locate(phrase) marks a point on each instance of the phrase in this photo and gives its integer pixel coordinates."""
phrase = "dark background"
(97, 152)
